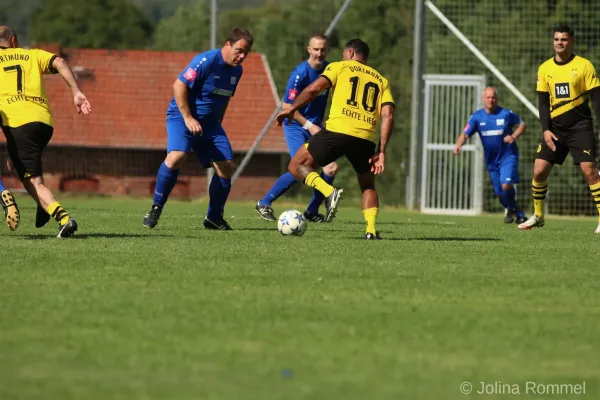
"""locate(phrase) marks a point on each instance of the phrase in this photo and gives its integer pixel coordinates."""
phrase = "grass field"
(120, 312)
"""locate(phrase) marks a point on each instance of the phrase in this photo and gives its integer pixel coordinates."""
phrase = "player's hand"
(549, 138)
(82, 103)
(193, 126)
(456, 150)
(377, 163)
(283, 115)
(314, 129)
(508, 139)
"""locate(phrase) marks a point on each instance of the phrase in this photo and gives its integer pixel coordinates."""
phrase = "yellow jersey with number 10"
(22, 95)
(359, 92)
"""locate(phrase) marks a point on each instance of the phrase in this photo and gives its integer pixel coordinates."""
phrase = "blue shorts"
(213, 145)
(295, 136)
(505, 171)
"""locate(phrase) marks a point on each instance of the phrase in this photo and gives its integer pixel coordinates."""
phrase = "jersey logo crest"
(467, 126)
(292, 94)
(499, 122)
(562, 90)
(190, 74)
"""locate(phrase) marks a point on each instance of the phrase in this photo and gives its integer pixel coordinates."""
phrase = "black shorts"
(325, 147)
(25, 145)
(579, 139)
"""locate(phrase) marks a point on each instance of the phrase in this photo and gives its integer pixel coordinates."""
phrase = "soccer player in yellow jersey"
(27, 120)
(565, 84)
(361, 95)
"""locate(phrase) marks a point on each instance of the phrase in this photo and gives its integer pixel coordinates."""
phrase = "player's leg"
(215, 149)
(11, 210)
(321, 149)
(494, 174)
(312, 210)
(509, 175)
(295, 137)
(179, 142)
(582, 144)
(32, 140)
(545, 160)
(370, 204)
(359, 152)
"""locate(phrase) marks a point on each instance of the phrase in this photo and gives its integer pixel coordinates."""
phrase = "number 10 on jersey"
(370, 93)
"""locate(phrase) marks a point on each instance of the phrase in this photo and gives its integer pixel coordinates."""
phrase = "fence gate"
(449, 184)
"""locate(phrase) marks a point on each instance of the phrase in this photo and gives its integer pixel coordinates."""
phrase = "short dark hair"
(7, 33)
(562, 28)
(238, 34)
(359, 47)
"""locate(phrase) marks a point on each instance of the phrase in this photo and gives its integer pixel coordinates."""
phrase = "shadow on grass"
(435, 239)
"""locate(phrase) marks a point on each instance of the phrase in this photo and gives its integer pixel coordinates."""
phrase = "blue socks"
(283, 184)
(165, 181)
(218, 191)
(1, 186)
(318, 198)
(511, 200)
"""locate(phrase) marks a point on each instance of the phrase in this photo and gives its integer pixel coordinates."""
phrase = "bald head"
(489, 98)
(8, 36)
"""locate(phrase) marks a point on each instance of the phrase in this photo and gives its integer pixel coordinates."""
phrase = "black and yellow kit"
(565, 89)
(26, 117)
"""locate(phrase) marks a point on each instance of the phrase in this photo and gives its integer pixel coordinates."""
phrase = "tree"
(92, 24)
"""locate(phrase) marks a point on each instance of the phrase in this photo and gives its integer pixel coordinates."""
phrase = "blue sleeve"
(196, 71)
(471, 126)
(513, 119)
(294, 86)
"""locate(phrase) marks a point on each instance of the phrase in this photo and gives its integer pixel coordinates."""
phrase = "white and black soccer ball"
(291, 223)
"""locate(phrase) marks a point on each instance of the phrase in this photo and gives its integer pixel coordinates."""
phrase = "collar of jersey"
(564, 62)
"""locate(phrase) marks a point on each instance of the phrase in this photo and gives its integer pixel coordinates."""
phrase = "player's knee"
(506, 187)
(224, 168)
(331, 169)
(591, 175)
(175, 159)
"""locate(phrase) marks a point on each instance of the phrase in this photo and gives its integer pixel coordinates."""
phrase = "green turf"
(120, 312)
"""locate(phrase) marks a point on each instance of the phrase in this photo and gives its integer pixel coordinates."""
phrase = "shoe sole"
(334, 205)
(265, 218)
(13, 217)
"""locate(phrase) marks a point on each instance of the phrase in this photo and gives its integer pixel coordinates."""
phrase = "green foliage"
(92, 24)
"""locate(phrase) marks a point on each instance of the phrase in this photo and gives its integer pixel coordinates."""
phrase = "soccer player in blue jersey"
(307, 122)
(201, 95)
(498, 129)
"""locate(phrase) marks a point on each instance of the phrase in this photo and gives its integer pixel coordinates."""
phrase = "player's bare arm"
(180, 92)
(299, 118)
(595, 99)
(305, 97)
(460, 142)
(518, 131)
(387, 126)
(81, 102)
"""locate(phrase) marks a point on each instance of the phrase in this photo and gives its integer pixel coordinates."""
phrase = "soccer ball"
(291, 223)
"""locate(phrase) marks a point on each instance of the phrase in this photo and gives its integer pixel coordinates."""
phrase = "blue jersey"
(211, 83)
(492, 129)
(301, 77)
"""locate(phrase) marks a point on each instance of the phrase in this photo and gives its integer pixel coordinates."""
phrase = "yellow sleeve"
(331, 72)
(542, 85)
(589, 78)
(387, 98)
(45, 60)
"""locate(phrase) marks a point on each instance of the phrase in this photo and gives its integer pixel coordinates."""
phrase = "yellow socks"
(315, 181)
(595, 189)
(539, 190)
(370, 215)
(58, 213)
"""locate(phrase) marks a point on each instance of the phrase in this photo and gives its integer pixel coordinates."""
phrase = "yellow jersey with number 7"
(22, 95)
(359, 92)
